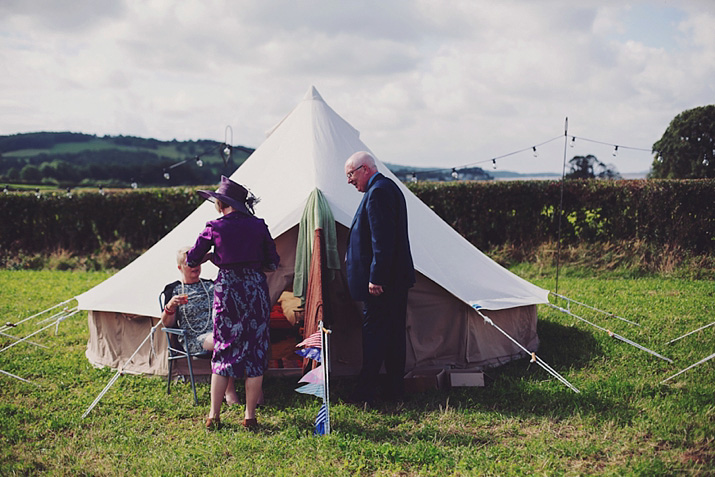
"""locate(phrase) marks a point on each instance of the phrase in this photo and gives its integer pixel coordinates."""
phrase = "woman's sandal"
(213, 423)
(250, 423)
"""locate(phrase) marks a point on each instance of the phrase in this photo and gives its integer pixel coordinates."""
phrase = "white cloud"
(427, 83)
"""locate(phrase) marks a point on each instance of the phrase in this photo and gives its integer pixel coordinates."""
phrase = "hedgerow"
(523, 214)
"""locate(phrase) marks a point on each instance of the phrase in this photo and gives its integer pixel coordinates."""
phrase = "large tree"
(687, 147)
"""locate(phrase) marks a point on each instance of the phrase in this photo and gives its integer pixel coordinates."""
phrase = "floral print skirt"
(241, 323)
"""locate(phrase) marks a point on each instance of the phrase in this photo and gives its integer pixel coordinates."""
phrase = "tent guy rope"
(65, 310)
(12, 337)
(689, 367)
(12, 325)
(534, 357)
(120, 371)
(690, 333)
(611, 315)
(611, 333)
(17, 377)
(54, 323)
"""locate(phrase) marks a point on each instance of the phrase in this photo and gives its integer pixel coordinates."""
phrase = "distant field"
(167, 151)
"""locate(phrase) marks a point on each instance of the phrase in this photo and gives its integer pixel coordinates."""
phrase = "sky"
(428, 83)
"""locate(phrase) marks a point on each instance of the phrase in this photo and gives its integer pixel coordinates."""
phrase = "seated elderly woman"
(188, 304)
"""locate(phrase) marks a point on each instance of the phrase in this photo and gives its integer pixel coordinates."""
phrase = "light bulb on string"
(69, 192)
(494, 162)
(226, 141)
(101, 190)
(536, 154)
(573, 141)
(615, 151)
(199, 162)
(167, 176)
(455, 174)
(414, 177)
(37, 192)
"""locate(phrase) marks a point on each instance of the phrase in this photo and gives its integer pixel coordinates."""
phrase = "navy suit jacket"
(378, 244)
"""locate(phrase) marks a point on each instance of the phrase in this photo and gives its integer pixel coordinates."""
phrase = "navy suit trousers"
(384, 342)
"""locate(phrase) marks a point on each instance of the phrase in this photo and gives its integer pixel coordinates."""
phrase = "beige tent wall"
(443, 331)
(113, 338)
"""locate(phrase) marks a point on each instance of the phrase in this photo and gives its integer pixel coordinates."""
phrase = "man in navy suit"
(380, 272)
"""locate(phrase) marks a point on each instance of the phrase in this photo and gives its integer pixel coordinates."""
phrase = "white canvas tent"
(305, 151)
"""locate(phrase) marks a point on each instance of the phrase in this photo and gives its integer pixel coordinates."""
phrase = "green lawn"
(524, 422)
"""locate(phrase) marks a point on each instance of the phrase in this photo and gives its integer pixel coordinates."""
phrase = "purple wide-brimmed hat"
(231, 193)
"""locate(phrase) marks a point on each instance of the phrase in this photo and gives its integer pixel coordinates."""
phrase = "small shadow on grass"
(566, 346)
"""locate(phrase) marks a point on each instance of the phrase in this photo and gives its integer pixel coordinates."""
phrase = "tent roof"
(307, 150)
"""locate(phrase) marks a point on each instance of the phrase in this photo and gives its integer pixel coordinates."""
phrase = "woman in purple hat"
(242, 250)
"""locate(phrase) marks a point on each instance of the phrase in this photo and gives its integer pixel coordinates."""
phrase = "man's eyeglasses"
(350, 174)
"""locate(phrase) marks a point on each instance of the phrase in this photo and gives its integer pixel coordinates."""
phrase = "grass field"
(524, 422)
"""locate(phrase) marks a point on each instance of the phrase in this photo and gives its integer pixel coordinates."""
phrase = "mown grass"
(522, 423)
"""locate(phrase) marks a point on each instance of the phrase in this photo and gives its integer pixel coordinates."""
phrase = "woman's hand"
(176, 301)
(170, 309)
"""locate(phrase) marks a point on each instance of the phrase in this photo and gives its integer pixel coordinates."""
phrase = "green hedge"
(489, 214)
(87, 220)
(525, 213)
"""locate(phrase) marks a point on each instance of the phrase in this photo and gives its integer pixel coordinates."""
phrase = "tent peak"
(312, 94)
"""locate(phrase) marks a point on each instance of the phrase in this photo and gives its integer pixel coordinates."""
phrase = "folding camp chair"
(177, 351)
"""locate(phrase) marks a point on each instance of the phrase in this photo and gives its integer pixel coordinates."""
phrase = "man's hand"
(375, 290)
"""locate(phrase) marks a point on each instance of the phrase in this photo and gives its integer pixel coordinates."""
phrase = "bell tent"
(303, 154)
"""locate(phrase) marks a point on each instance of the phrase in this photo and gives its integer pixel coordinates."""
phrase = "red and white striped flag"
(312, 341)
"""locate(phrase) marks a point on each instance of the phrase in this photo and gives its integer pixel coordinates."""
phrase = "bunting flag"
(311, 353)
(316, 389)
(321, 422)
(316, 348)
(314, 376)
(312, 341)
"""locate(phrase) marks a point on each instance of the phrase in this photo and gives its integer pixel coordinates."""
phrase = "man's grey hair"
(363, 158)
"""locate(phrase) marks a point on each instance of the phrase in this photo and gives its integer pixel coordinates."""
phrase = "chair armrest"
(175, 331)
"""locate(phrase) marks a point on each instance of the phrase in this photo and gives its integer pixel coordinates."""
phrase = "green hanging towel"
(317, 214)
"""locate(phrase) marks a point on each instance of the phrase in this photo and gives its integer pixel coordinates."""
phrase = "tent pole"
(326, 373)
(561, 203)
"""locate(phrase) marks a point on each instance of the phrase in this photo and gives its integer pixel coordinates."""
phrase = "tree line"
(685, 151)
(73, 159)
